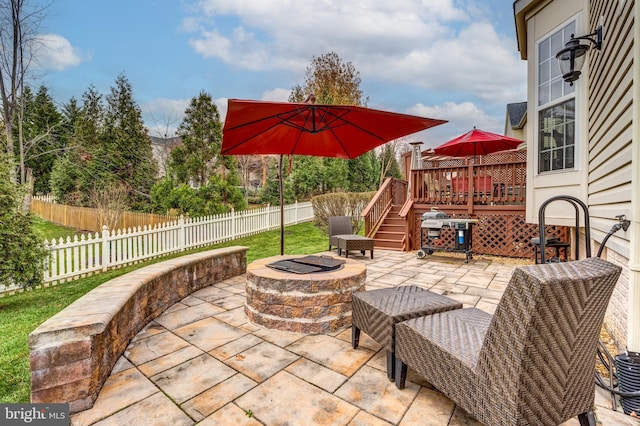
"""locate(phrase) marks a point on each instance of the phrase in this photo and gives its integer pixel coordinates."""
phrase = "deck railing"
(500, 181)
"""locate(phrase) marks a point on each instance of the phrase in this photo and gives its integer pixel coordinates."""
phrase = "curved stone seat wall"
(73, 352)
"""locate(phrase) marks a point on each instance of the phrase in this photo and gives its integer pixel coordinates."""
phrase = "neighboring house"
(516, 120)
(161, 148)
(584, 139)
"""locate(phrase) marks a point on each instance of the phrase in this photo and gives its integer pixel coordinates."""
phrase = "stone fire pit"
(318, 302)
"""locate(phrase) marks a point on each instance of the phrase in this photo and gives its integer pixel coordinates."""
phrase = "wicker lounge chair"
(533, 361)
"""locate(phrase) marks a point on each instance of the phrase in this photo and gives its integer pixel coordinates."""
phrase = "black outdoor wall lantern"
(571, 58)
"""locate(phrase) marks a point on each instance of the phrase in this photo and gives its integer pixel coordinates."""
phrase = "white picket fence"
(87, 253)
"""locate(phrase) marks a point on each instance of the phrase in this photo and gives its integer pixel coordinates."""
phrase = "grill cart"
(431, 227)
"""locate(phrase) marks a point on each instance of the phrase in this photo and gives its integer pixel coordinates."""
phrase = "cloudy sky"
(449, 59)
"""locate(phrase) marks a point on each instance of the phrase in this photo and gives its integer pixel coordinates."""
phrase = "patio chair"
(339, 225)
(341, 236)
(533, 361)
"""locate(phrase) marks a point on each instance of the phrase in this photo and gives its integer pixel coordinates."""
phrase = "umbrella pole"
(281, 206)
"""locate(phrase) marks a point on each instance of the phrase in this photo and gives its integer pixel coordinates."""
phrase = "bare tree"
(388, 153)
(19, 23)
(109, 203)
(265, 169)
(247, 166)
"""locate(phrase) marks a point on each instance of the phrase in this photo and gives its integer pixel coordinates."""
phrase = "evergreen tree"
(198, 157)
(307, 176)
(90, 120)
(40, 129)
(125, 146)
(77, 172)
(388, 158)
(270, 194)
(362, 173)
(110, 148)
(197, 162)
(22, 257)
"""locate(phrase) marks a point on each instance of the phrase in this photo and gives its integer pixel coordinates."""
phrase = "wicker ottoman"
(376, 312)
(354, 242)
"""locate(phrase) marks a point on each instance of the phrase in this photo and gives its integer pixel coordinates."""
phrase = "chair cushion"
(459, 333)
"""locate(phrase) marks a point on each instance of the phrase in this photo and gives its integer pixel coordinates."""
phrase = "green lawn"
(50, 230)
(20, 314)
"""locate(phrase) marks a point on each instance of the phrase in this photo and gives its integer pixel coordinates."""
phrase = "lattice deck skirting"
(498, 235)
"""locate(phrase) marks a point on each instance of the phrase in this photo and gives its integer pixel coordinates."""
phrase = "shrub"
(340, 204)
(22, 249)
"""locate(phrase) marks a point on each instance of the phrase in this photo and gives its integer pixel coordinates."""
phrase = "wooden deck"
(493, 190)
(497, 180)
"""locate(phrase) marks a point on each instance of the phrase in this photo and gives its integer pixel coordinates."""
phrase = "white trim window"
(556, 106)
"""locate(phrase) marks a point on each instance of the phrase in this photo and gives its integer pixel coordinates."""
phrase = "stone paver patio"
(203, 362)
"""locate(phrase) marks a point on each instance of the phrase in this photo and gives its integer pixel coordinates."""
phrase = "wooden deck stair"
(390, 235)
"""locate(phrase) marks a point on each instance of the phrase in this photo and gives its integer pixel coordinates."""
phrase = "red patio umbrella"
(477, 142)
(340, 131)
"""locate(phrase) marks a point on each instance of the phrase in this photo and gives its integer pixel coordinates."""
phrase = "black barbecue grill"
(433, 222)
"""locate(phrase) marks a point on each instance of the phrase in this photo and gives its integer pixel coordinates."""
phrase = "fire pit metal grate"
(307, 265)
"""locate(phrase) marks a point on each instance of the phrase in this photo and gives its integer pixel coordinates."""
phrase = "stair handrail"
(375, 212)
(406, 212)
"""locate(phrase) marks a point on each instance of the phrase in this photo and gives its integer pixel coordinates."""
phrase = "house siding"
(609, 133)
(610, 140)
(542, 19)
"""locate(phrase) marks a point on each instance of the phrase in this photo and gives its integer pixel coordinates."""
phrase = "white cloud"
(55, 52)
(477, 60)
(461, 117)
(163, 116)
(277, 95)
(433, 44)
(222, 104)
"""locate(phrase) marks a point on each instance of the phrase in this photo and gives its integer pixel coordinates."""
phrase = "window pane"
(558, 137)
(544, 162)
(557, 42)
(543, 72)
(543, 94)
(554, 68)
(544, 50)
(556, 140)
(547, 141)
(570, 110)
(558, 159)
(548, 68)
(568, 131)
(569, 89)
(556, 89)
(569, 29)
(569, 162)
